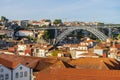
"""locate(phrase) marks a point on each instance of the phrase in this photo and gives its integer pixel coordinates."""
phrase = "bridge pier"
(55, 35)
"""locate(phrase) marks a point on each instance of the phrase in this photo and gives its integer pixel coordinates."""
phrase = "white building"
(24, 33)
(76, 51)
(5, 73)
(22, 72)
(41, 52)
(21, 49)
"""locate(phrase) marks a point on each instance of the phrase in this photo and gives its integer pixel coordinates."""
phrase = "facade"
(21, 49)
(41, 52)
(24, 33)
(113, 51)
(24, 23)
(35, 23)
(100, 51)
(22, 72)
(5, 73)
(45, 22)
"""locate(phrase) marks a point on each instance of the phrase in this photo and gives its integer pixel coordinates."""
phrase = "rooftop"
(96, 63)
(35, 63)
(78, 74)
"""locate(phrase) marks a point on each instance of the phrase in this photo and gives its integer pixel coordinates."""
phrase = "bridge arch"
(94, 31)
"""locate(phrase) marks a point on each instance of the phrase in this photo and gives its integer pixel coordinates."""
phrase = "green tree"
(4, 19)
(46, 35)
(119, 36)
(2, 36)
(55, 52)
(49, 34)
(57, 21)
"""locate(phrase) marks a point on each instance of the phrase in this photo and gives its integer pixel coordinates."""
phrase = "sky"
(107, 11)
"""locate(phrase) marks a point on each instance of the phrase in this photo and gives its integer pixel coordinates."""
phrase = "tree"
(49, 34)
(55, 52)
(2, 36)
(46, 35)
(57, 22)
(4, 19)
(119, 36)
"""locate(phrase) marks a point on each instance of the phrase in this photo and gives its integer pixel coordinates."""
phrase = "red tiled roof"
(117, 46)
(12, 61)
(78, 74)
(95, 63)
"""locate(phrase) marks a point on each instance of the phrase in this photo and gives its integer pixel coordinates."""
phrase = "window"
(1, 77)
(20, 68)
(1, 70)
(25, 74)
(16, 75)
(6, 77)
(37, 50)
(21, 74)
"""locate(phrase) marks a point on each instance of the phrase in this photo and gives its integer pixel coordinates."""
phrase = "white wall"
(25, 33)
(21, 47)
(5, 73)
(98, 51)
(21, 70)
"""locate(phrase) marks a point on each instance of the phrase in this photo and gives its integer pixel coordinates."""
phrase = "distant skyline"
(68, 10)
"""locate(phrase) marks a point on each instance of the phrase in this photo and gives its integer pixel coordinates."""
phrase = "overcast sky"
(107, 11)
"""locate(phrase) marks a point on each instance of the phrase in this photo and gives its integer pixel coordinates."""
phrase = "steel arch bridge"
(94, 31)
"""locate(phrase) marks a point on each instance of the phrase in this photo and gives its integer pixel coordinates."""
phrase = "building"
(24, 33)
(42, 50)
(96, 63)
(100, 51)
(24, 23)
(18, 22)
(45, 22)
(21, 49)
(21, 72)
(5, 73)
(14, 71)
(23, 67)
(35, 23)
(113, 51)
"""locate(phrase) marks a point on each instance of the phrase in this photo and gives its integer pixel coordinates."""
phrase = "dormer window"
(20, 68)
(1, 70)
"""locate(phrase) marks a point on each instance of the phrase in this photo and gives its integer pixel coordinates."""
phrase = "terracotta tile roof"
(78, 74)
(102, 45)
(35, 63)
(117, 46)
(57, 65)
(89, 55)
(98, 47)
(25, 30)
(11, 49)
(94, 63)
(89, 40)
